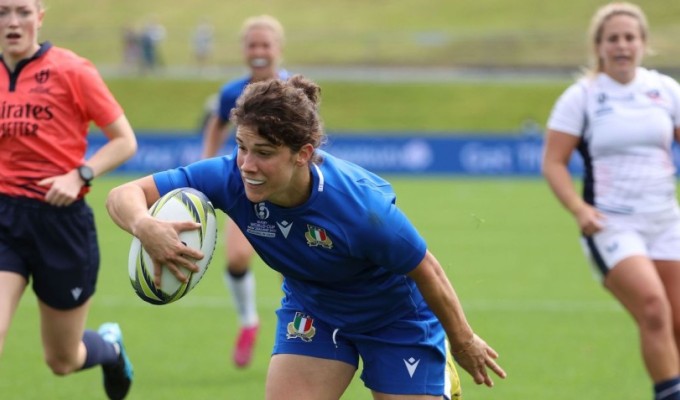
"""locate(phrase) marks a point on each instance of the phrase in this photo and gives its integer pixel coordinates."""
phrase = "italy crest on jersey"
(318, 237)
(302, 327)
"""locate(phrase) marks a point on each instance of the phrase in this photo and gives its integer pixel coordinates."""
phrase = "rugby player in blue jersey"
(359, 282)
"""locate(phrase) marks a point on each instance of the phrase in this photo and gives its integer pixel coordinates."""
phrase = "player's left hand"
(64, 189)
(475, 358)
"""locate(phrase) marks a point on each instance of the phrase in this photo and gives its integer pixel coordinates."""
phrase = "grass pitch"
(399, 108)
(343, 32)
(510, 251)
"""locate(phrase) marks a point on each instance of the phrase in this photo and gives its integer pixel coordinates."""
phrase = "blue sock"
(99, 351)
(667, 390)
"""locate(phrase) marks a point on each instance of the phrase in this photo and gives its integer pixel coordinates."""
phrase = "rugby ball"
(184, 204)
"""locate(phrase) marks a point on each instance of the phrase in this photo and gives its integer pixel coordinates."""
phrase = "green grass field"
(352, 32)
(438, 108)
(490, 33)
(510, 251)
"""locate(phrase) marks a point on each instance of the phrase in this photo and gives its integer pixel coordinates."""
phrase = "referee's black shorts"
(56, 247)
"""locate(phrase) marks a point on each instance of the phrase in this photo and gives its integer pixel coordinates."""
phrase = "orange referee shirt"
(46, 106)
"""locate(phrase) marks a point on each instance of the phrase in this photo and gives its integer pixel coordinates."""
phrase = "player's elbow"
(130, 147)
(548, 167)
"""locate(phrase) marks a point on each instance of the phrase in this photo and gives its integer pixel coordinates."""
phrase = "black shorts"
(55, 246)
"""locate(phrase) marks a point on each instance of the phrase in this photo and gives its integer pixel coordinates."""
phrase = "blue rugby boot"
(117, 377)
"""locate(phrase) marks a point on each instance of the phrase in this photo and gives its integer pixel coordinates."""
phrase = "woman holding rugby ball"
(359, 281)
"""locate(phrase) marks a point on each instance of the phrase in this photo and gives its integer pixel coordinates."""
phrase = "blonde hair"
(604, 14)
(263, 21)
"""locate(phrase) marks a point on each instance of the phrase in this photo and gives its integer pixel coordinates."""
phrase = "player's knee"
(656, 313)
(239, 259)
(59, 366)
(238, 263)
(237, 270)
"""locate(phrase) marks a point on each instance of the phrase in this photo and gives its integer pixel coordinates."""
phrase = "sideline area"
(364, 73)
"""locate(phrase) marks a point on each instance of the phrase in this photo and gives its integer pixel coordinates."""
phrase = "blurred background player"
(47, 231)
(202, 42)
(153, 33)
(262, 41)
(623, 119)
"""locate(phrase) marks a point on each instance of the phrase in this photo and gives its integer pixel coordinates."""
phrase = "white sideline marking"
(566, 306)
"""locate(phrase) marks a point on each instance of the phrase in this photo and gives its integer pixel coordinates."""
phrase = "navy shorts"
(407, 356)
(56, 247)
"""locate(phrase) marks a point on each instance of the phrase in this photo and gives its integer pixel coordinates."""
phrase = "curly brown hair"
(284, 112)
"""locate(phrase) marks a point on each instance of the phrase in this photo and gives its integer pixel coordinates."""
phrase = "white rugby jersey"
(626, 136)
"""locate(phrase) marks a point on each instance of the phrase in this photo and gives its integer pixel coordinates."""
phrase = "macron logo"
(76, 292)
(612, 247)
(411, 365)
(285, 226)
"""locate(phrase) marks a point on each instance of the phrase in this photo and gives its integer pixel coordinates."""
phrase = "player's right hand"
(476, 359)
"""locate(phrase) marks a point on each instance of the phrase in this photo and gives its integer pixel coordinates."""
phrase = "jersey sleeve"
(227, 101)
(392, 241)
(214, 177)
(569, 112)
(93, 96)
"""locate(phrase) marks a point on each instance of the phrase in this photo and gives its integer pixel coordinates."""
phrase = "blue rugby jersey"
(231, 91)
(344, 253)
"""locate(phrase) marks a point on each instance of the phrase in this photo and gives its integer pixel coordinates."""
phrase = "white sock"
(243, 293)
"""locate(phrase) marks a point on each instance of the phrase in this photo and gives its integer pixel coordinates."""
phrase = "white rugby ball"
(184, 204)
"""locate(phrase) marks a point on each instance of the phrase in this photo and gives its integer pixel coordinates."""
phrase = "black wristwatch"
(86, 174)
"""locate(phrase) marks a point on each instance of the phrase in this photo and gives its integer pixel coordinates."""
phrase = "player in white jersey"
(623, 119)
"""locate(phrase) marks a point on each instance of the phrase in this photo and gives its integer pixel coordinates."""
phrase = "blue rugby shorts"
(407, 356)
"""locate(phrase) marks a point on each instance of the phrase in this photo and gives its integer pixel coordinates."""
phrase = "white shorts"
(654, 235)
